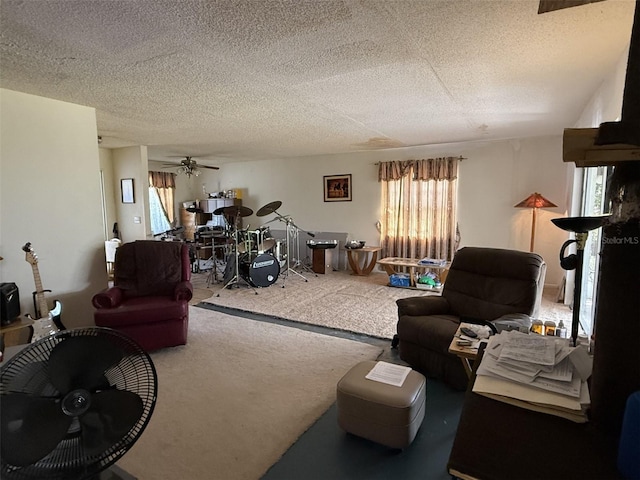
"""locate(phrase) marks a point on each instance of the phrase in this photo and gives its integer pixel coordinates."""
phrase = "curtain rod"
(459, 158)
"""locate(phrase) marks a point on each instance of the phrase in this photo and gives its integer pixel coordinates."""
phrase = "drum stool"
(383, 413)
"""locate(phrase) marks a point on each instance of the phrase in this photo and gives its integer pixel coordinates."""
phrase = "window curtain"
(164, 184)
(419, 208)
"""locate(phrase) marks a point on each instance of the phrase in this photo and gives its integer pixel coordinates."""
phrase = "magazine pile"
(540, 373)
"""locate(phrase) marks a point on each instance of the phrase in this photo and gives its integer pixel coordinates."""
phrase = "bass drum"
(260, 271)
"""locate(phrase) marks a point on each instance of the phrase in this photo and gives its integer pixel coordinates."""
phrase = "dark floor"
(325, 452)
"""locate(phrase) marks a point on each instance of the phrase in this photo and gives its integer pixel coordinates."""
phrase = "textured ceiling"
(247, 79)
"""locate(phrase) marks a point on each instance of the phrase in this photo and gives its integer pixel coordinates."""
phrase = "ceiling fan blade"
(31, 428)
(552, 5)
(113, 413)
(207, 166)
(80, 362)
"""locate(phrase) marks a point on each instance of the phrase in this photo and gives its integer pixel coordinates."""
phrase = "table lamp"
(581, 227)
(534, 201)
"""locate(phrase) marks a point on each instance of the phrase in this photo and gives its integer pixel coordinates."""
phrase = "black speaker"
(9, 303)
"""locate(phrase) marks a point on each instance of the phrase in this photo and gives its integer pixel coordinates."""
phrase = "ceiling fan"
(189, 166)
(551, 5)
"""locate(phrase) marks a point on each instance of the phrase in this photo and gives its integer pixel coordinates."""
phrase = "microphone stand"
(292, 234)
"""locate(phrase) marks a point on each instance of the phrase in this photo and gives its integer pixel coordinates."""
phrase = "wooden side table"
(21, 323)
(368, 255)
(467, 355)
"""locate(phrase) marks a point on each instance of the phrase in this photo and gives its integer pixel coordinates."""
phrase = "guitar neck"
(42, 303)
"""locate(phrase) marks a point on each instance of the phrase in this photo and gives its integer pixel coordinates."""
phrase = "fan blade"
(113, 413)
(80, 362)
(552, 5)
(207, 166)
(31, 428)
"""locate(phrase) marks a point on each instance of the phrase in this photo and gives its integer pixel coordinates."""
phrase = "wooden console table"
(369, 256)
(390, 264)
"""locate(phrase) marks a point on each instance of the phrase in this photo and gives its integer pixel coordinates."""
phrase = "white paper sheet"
(388, 373)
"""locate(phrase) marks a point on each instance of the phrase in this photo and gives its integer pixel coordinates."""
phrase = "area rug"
(237, 396)
(360, 304)
(336, 300)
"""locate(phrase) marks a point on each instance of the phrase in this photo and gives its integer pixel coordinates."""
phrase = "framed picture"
(337, 188)
(126, 184)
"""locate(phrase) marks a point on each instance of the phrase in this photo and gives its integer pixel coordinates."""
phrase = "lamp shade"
(535, 200)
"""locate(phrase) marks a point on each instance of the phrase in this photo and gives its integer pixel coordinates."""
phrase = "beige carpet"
(234, 399)
(337, 300)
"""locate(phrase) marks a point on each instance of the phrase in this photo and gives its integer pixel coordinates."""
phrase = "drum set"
(255, 257)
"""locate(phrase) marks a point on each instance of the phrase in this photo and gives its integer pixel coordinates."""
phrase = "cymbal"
(194, 210)
(237, 211)
(269, 208)
(219, 211)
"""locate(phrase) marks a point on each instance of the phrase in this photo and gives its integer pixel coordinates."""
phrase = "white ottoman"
(383, 413)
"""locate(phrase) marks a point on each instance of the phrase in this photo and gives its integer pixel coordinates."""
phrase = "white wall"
(494, 177)
(50, 196)
(133, 218)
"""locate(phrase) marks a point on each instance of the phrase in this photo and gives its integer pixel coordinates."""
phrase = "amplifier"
(9, 303)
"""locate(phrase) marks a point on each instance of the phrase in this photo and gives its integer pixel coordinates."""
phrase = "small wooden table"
(368, 261)
(391, 263)
(22, 322)
(467, 355)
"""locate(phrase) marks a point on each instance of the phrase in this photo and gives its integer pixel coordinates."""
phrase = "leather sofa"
(482, 285)
(150, 298)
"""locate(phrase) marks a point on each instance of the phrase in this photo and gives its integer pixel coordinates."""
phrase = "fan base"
(114, 472)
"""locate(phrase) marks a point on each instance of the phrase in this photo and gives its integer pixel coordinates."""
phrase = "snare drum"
(248, 240)
(266, 241)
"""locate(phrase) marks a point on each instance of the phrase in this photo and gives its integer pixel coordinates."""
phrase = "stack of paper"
(536, 372)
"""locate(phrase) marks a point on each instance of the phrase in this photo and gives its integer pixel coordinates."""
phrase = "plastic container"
(537, 327)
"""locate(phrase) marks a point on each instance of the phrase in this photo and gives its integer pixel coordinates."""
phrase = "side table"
(467, 355)
(22, 322)
(368, 261)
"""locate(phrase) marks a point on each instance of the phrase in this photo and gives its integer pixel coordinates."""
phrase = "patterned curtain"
(164, 184)
(419, 208)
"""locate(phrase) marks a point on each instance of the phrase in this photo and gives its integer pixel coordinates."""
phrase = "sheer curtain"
(419, 208)
(162, 185)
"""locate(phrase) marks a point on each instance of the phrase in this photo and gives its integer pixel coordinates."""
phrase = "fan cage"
(27, 373)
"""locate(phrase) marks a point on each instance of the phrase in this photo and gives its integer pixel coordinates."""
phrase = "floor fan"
(73, 403)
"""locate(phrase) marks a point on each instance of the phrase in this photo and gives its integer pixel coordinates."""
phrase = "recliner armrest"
(183, 291)
(109, 298)
(420, 306)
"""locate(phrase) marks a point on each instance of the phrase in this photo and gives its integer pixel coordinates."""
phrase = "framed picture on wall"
(337, 188)
(126, 184)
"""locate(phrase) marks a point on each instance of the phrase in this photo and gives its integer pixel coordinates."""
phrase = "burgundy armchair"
(150, 297)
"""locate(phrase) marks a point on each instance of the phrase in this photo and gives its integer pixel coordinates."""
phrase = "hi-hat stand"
(236, 212)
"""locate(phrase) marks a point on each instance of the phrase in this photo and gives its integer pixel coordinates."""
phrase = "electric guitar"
(49, 321)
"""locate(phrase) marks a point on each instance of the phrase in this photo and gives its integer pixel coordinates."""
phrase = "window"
(419, 208)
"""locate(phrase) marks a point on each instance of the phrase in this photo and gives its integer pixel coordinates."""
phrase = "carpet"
(237, 396)
(339, 300)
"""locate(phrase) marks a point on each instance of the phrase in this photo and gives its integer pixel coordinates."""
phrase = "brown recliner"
(482, 284)
(150, 297)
